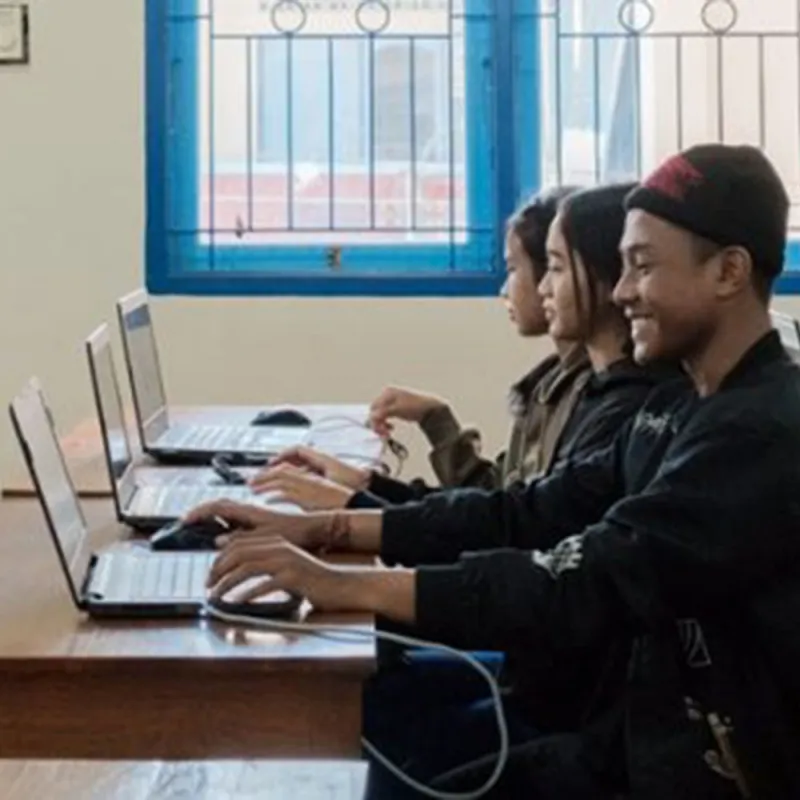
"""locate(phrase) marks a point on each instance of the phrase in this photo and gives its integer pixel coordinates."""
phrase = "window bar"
(371, 79)
(289, 133)
(249, 105)
(597, 116)
(331, 134)
(211, 159)
(558, 114)
(637, 96)
(679, 88)
(762, 94)
(412, 102)
(451, 133)
(720, 91)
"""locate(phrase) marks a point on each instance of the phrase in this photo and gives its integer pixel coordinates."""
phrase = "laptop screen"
(45, 461)
(143, 367)
(111, 416)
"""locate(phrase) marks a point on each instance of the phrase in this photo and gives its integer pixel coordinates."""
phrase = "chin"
(644, 353)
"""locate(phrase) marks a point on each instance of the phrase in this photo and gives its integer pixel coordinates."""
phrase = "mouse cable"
(343, 422)
(344, 633)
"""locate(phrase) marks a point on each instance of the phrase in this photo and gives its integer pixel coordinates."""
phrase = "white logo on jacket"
(566, 555)
(654, 423)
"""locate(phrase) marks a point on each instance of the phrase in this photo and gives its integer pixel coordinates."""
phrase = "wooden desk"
(158, 780)
(76, 688)
(83, 447)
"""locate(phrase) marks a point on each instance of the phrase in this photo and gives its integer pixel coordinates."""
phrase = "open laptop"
(789, 331)
(150, 505)
(178, 442)
(125, 579)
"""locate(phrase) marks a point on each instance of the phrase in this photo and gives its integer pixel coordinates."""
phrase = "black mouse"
(284, 417)
(193, 536)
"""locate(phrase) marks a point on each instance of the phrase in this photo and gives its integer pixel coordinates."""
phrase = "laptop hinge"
(87, 581)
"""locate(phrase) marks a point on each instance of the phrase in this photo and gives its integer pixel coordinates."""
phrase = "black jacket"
(683, 537)
(607, 402)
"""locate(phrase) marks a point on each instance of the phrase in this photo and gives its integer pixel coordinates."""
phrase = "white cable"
(342, 633)
(343, 423)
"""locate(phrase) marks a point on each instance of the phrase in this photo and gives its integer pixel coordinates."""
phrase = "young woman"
(541, 402)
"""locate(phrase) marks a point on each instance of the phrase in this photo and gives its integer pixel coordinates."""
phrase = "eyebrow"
(636, 249)
(554, 253)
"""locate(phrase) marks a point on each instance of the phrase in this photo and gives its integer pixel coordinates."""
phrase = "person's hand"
(397, 403)
(255, 523)
(303, 488)
(322, 464)
(273, 564)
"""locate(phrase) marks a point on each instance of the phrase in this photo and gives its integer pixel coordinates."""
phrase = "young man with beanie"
(681, 541)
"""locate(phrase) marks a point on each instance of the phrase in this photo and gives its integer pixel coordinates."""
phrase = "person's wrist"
(362, 590)
(316, 529)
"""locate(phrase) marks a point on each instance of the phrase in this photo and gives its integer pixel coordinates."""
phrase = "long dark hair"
(531, 222)
(592, 222)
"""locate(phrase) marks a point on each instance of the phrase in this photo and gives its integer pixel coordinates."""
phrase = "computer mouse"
(194, 536)
(284, 417)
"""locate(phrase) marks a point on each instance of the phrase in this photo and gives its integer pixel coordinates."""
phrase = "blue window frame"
(320, 194)
(320, 156)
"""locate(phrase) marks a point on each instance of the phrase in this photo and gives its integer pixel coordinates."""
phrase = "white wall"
(71, 222)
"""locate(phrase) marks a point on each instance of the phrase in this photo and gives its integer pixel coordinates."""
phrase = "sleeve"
(716, 520)
(443, 526)
(456, 453)
(382, 492)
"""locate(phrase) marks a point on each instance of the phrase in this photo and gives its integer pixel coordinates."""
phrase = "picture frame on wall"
(14, 34)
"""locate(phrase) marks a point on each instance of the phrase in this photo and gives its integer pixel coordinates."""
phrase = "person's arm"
(716, 521)
(382, 492)
(442, 527)
(456, 452)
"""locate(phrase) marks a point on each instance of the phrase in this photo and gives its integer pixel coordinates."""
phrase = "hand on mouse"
(398, 403)
(306, 489)
(286, 567)
(322, 464)
(257, 522)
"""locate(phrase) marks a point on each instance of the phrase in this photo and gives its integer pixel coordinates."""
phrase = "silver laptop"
(177, 442)
(123, 579)
(150, 505)
(789, 331)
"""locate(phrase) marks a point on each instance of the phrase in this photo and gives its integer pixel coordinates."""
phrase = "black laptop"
(125, 579)
(173, 441)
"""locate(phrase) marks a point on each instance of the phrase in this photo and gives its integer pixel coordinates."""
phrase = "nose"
(543, 287)
(504, 290)
(624, 293)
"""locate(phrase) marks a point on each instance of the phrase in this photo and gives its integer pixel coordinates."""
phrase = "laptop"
(150, 505)
(789, 331)
(124, 579)
(179, 442)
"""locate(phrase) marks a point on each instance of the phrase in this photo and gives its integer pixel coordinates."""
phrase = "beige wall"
(71, 220)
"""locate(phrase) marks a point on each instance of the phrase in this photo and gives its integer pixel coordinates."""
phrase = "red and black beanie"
(730, 195)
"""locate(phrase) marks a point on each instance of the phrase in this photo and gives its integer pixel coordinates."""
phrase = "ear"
(734, 271)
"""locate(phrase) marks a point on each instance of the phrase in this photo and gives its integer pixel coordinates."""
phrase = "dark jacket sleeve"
(441, 528)
(383, 492)
(705, 530)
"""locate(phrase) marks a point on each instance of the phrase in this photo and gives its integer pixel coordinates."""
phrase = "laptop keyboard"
(172, 502)
(140, 577)
(228, 439)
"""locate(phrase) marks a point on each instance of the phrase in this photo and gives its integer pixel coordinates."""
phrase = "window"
(322, 147)
(377, 146)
